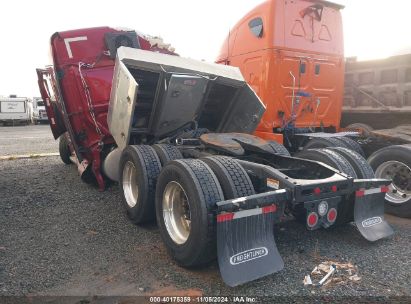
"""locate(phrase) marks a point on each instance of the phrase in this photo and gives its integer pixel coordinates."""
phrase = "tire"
(233, 179)
(324, 142)
(64, 150)
(139, 169)
(386, 157)
(364, 129)
(352, 145)
(201, 189)
(362, 169)
(167, 153)
(194, 133)
(346, 207)
(329, 157)
(279, 148)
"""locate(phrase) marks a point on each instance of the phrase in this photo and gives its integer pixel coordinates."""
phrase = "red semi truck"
(175, 134)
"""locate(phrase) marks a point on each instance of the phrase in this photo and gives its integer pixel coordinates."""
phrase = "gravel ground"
(27, 140)
(60, 236)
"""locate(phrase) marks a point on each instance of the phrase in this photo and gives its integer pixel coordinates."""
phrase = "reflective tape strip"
(67, 42)
(238, 200)
(385, 189)
(362, 192)
(269, 209)
(245, 213)
(223, 217)
(372, 191)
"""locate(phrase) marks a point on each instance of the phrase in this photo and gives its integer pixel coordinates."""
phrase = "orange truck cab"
(291, 53)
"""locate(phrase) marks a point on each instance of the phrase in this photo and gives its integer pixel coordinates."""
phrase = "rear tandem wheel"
(233, 178)
(167, 153)
(326, 142)
(139, 168)
(278, 148)
(186, 196)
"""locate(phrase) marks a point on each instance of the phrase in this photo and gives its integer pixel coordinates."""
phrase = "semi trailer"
(292, 55)
(176, 134)
(377, 93)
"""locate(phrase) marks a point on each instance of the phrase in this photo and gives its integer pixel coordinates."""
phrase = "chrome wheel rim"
(400, 174)
(130, 187)
(176, 212)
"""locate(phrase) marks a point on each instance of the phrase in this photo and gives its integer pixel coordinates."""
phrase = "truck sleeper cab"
(291, 53)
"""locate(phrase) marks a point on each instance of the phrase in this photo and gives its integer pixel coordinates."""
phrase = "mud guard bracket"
(369, 209)
(245, 238)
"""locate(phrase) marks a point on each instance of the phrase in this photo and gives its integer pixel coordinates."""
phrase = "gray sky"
(196, 28)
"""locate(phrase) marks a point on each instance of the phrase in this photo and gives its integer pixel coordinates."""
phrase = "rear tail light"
(317, 190)
(334, 188)
(332, 215)
(312, 219)
(360, 193)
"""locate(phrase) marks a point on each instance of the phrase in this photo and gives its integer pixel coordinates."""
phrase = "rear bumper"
(368, 196)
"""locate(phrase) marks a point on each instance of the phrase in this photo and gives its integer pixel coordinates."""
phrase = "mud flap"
(245, 239)
(369, 213)
(246, 246)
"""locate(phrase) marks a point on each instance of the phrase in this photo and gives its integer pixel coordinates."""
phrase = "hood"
(156, 94)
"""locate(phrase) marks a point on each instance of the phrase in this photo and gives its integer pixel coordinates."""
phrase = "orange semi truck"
(291, 53)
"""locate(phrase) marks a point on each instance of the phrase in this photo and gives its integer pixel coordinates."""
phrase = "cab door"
(48, 93)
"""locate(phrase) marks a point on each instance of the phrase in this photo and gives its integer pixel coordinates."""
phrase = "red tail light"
(360, 193)
(312, 219)
(332, 215)
(334, 188)
(317, 190)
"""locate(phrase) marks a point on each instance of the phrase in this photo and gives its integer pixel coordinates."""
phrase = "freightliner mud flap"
(369, 209)
(245, 237)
